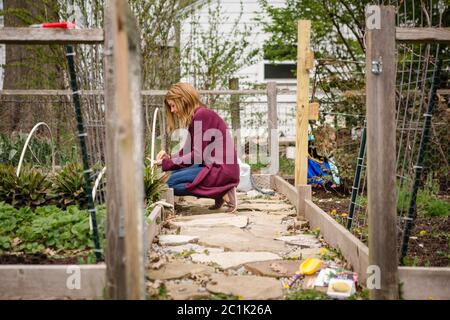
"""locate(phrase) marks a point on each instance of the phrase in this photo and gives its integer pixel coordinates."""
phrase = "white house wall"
(254, 74)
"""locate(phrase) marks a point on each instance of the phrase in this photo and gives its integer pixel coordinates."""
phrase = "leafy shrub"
(68, 186)
(48, 227)
(437, 208)
(31, 188)
(154, 184)
(11, 148)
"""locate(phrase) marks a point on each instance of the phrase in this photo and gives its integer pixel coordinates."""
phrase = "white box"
(341, 295)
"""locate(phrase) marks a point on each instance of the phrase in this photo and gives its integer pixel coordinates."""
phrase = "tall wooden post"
(381, 139)
(303, 66)
(235, 108)
(272, 120)
(115, 233)
(125, 197)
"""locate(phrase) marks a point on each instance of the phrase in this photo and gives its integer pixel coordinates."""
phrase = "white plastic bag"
(244, 184)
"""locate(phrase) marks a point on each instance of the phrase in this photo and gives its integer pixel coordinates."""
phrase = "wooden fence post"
(115, 250)
(272, 121)
(235, 110)
(304, 56)
(235, 107)
(125, 198)
(381, 154)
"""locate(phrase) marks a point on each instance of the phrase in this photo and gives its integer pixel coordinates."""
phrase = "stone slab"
(275, 268)
(175, 239)
(208, 221)
(178, 269)
(302, 240)
(192, 247)
(227, 260)
(186, 291)
(246, 287)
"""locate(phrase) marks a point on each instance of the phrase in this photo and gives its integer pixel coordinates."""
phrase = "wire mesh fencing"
(422, 159)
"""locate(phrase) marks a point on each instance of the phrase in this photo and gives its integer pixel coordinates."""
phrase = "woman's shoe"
(231, 200)
(217, 205)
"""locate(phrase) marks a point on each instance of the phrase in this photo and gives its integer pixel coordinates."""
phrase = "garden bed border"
(21, 281)
(416, 283)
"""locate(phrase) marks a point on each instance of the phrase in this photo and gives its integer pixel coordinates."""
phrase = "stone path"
(204, 254)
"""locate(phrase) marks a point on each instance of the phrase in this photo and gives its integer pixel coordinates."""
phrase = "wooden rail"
(143, 92)
(28, 36)
(422, 35)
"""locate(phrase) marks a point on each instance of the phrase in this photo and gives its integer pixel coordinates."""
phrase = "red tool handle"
(60, 25)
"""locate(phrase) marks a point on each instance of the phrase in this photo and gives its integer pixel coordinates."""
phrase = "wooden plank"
(286, 189)
(314, 111)
(234, 105)
(115, 233)
(52, 281)
(272, 121)
(143, 92)
(47, 92)
(27, 36)
(126, 141)
(304, 193)
(354, 251)
(169, 196)
(422, 35)
(127, 62)
(381, 170)
(444, 92)
(421, 283)
(153, 224)
(302, 118)
(309, 61)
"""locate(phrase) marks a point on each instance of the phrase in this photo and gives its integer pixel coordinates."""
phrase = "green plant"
(154, 184)
(68, 186)
(436, 208)
(307, 295)
(185, 253)
(410, 262)
(47, 228)
(222, 296)
(427, 203)
(31, 188)
(360, 295)
(287, 166)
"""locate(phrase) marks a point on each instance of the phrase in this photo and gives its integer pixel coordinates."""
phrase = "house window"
(280, 71)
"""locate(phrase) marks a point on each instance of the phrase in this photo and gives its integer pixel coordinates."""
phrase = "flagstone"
(275, 268)
(227, 260)
(175, 239)
(178, 269)
(186, 291)
(247, 287)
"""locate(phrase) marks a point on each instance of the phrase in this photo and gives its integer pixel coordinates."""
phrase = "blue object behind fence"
(319, 172)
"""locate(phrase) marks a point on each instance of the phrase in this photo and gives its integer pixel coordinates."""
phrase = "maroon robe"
(221, 171)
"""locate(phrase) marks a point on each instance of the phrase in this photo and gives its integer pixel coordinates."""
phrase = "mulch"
(432, 247)
(429, 244)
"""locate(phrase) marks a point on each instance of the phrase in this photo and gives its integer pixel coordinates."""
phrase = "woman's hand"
(162, 155)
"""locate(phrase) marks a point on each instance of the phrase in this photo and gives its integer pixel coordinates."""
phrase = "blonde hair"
(186, 98)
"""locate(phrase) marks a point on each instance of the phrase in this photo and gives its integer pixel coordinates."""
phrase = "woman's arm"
(194, 145)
